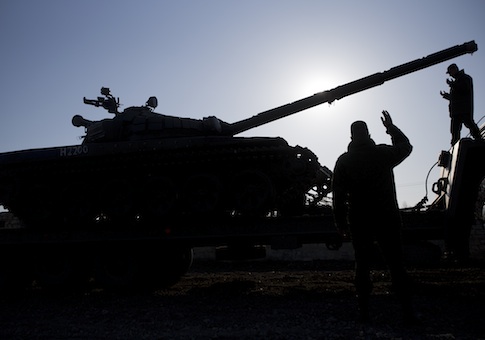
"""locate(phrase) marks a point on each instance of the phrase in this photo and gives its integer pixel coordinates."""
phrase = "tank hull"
(148, 180)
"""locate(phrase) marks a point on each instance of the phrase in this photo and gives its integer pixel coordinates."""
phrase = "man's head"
(452, 70)
(359, 131)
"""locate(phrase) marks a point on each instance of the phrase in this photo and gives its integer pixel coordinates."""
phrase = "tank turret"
(142, 123)
(141, 167)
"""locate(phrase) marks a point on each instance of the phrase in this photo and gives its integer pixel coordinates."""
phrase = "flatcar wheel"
(15, 271)
(116, 267)
(252, 192)
(57, 266)
(164, 268)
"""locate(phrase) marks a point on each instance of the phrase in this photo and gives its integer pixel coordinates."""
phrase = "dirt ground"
(263, 299)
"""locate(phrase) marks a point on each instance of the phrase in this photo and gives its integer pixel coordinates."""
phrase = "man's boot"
(408, 313)
(363, 304)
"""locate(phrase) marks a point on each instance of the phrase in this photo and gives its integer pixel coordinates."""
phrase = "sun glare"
(310, 85)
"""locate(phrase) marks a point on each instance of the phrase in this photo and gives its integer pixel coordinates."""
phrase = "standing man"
(461, 103)
(364, 202)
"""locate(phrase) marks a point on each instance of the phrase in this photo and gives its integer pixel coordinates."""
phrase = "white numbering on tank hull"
(70, 151)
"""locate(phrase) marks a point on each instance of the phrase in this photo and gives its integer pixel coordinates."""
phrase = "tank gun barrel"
(351, 88)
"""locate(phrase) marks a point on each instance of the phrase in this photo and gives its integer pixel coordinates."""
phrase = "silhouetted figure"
(461, 103)
(364, 199)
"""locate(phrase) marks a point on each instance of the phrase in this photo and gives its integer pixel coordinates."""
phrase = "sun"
(310, 85)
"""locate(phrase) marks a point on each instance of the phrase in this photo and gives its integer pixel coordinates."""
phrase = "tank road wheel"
(252, 192)
(75, 207)
(38, 202)
(159, 197)
(202, 194)
(291, 202)
(118, 201)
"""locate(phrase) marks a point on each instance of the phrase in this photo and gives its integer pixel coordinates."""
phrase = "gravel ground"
(267, 299)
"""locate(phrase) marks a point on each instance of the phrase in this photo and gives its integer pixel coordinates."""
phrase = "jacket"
(461, 95)
(363, 181)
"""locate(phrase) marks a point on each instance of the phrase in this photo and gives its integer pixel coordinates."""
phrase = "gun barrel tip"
(472, 46)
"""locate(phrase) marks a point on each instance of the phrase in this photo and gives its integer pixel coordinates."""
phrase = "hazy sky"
(234, 59)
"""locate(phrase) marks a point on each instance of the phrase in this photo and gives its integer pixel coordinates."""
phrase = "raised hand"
(386, 119)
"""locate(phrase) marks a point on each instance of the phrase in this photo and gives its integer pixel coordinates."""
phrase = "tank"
(140, 167)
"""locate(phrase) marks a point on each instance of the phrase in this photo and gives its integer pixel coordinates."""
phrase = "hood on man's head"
(359, 131)
(452, 67)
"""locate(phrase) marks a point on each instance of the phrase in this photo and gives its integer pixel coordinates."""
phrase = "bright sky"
(234, 59)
